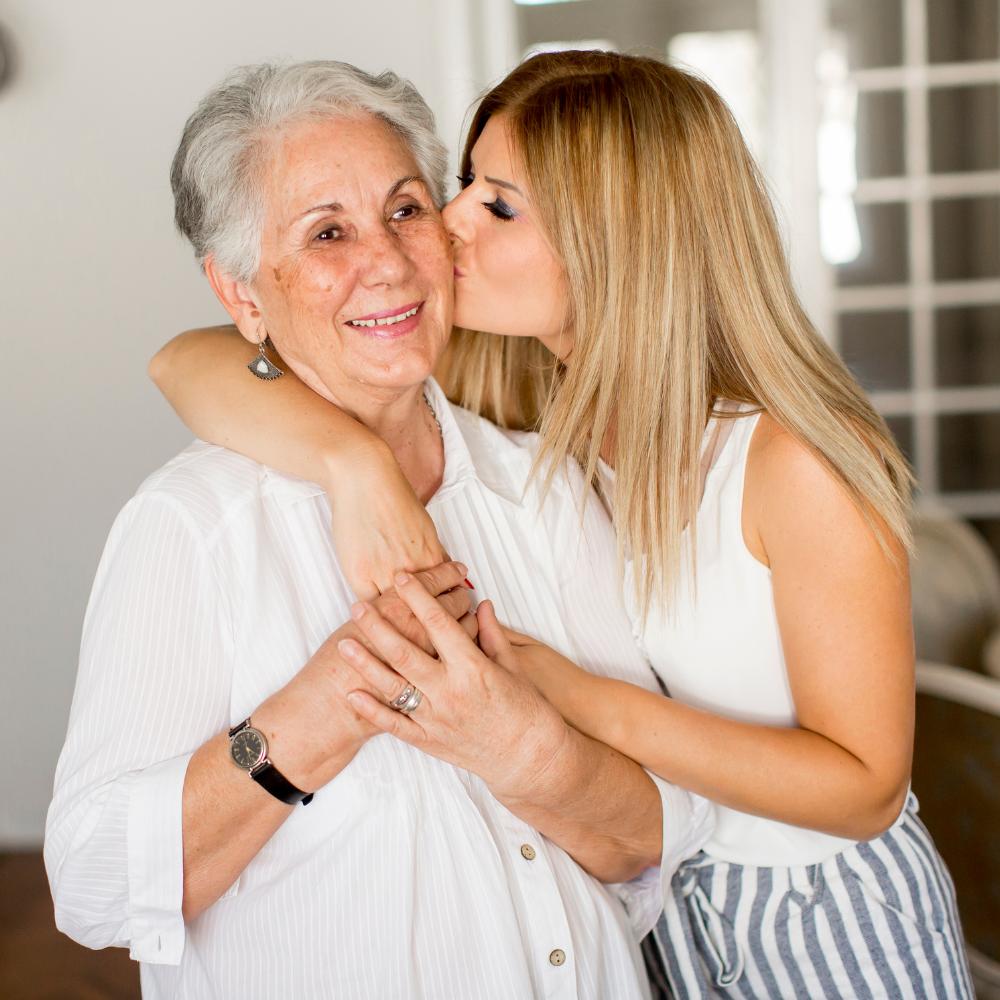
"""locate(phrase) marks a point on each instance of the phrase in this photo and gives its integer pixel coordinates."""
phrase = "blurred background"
(877, 123)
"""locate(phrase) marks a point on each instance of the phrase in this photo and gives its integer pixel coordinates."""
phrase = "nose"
(388, 261)
(456, 220)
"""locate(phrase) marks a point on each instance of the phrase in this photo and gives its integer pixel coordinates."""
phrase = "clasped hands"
(478, 711)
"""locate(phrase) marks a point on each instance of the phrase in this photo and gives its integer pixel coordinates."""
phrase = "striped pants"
(878, 920)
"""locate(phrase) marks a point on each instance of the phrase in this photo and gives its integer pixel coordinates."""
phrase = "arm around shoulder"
(379, 525)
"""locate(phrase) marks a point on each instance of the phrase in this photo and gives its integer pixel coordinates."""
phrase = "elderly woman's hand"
(379, 525)
(475, 713)
(312, 728)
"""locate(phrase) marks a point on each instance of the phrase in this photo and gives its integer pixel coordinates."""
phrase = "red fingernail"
(469, 584)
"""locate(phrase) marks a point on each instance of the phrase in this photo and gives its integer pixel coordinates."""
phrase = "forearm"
(596, 804)
(791, 775)
(228, 818)
(282, 423)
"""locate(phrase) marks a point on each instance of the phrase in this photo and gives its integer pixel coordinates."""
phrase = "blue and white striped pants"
(877, 920)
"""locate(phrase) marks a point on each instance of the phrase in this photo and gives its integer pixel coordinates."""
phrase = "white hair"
(217, 170)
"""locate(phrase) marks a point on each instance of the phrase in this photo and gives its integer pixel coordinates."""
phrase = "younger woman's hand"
(560, 681)
(380, 526)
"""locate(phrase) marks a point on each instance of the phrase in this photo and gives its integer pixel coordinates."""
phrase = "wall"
(93, 278)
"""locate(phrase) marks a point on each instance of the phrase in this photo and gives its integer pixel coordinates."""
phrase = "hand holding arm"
(379, 525)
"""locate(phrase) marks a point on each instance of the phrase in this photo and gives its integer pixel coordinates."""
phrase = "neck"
(402, 419)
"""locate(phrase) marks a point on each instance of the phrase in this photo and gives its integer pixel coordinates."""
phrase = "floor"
(39, 963)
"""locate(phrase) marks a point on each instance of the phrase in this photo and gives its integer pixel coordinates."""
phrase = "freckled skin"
(374, 253)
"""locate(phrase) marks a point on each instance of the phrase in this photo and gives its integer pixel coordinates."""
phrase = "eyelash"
(415, 211)
(500, 209)
(497, 208)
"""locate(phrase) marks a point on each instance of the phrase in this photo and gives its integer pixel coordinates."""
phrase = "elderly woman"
(215, 678)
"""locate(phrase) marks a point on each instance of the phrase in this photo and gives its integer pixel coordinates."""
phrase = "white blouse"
(404, 878)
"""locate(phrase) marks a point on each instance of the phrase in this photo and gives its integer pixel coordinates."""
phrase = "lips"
(390, 323)
(388, 317)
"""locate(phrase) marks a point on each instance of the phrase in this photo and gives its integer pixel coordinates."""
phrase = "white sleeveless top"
(722, 651)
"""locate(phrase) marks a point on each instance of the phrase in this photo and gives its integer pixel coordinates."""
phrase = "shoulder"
(504, 460)
(778, 458)
(203, 485)
(795, 502)
(787, 472)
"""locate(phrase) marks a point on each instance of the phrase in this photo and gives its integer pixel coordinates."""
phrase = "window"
(917, 298)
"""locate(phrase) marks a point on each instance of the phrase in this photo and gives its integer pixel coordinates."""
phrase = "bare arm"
(844, 616)
(596, 804)
(379, 525)
(227, 817)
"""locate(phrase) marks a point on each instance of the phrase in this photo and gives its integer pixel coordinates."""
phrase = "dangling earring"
(261, 366)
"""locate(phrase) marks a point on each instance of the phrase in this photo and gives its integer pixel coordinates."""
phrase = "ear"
(238, 299)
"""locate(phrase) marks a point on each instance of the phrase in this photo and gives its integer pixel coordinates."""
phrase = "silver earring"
(262, 366)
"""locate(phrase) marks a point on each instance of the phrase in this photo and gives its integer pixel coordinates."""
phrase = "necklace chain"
(430, 406)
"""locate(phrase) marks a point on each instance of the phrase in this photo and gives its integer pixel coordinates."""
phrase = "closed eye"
(499, 208)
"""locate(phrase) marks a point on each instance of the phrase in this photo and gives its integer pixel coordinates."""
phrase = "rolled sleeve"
(156, 863)
(688, 822)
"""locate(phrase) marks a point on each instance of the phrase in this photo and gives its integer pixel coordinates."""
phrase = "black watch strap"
(272, 780)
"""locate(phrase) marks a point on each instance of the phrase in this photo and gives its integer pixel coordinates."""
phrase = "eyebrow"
(335, 206)
(402, 182)
(504, 184)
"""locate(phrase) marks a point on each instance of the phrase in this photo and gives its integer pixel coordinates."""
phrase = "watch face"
(248, 748)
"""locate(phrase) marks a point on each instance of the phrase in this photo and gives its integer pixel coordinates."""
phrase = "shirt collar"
(468, 457)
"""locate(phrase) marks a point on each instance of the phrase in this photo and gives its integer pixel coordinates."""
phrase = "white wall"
(93, 278)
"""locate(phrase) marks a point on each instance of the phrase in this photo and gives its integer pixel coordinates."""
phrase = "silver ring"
(407, 700)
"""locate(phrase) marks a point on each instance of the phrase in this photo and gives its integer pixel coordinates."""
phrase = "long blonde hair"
(679, 295)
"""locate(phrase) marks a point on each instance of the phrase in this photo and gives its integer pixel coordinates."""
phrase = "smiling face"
(508, 279)
(355, 278)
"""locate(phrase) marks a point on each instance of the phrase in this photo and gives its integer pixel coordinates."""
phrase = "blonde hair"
(679, 295)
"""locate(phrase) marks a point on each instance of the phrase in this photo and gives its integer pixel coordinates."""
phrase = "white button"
(527, 852)
(557, 957)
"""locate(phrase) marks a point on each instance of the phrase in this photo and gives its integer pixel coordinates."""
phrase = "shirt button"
(557, 957)
(527, 852)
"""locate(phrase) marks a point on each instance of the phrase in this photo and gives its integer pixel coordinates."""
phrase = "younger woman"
(618, 258)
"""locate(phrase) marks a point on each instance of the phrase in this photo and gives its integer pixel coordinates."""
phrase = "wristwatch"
(248, 748)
